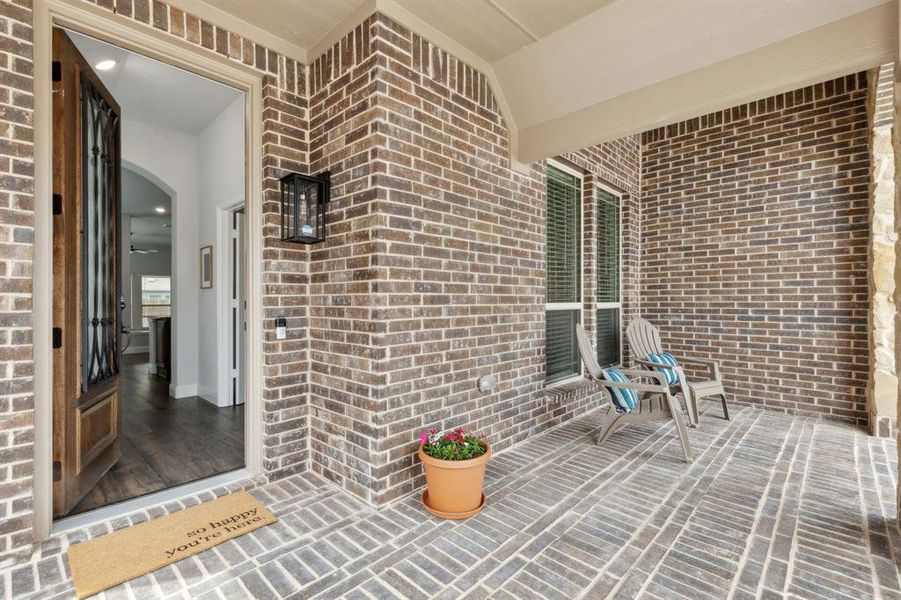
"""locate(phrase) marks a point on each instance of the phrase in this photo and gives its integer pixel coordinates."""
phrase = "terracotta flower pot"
(454, 487)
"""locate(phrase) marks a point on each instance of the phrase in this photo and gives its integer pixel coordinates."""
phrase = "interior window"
(156, 298)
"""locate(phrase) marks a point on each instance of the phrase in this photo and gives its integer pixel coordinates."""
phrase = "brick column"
(882, 386)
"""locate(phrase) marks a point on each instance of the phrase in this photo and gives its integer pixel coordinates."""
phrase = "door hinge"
(57, 471)
(57, 71)
(57, 337)
(57, 204)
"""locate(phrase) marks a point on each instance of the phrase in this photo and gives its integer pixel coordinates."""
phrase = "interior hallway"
(168, 442)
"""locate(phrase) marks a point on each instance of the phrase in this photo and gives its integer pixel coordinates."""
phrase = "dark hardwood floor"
(168, 442)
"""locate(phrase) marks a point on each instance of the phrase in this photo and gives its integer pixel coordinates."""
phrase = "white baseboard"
(208, 394)
(137, 350)
(182, 391)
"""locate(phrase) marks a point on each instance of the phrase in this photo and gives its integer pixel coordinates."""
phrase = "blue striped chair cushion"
(624, 400)
(666, 358)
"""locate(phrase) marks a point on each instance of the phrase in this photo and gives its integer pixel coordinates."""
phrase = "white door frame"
(224, 214)
(126, 33)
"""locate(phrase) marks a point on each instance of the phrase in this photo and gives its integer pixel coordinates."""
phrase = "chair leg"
(696, 406)
(681, 430)
(691, 405)
(725, 407)
(607, 429)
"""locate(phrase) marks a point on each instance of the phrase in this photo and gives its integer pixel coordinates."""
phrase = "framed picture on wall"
(206, 267)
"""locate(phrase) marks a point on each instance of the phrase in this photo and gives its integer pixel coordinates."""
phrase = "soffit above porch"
(557, 66)
(491, 29)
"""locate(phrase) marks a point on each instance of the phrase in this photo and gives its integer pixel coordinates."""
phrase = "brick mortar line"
(795, 543)
(760, 505)
(642, 456)
(571, 449)
(428, 525)
(864, 521)
(736, 436)
(439, 525)
(805, 442)
(885, 458)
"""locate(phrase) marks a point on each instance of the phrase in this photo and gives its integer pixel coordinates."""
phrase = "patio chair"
(644, 340)
(633, 401)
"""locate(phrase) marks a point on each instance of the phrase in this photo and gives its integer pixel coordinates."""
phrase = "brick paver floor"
(773, 506)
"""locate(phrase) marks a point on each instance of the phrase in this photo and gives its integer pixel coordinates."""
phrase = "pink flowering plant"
(457, 444)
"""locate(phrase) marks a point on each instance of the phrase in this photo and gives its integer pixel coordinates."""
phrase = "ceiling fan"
(143, 250)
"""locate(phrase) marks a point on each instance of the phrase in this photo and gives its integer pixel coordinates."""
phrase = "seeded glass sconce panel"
(303, 201)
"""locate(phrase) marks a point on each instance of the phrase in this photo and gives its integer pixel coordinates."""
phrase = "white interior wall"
(221, 164)
(170, 160)
(178, 163)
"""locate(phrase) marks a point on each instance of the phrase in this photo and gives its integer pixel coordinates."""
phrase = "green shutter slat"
(562, 347)
(608, 267)
(608, 283)
(564, 272)
(608, 336)
(563, 232)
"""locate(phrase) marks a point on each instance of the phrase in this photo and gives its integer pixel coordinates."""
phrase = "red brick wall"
(464, 282)
(345, 333)
(16, 251)
(284, 269)
(433, 274)
(754, 246)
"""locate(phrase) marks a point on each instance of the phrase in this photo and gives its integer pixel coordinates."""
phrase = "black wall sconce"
(303, 207)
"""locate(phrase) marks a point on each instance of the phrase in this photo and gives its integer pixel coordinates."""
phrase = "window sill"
(570, 389)
(565, 382)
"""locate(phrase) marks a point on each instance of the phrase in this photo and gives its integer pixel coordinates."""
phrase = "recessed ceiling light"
(160, 209)
(105, 65)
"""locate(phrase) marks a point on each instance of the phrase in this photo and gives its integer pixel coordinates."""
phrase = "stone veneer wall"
(882, 390)
(284, 269)
(754, 246)
(433, 273)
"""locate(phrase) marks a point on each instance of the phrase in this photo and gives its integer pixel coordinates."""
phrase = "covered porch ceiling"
(572, 73)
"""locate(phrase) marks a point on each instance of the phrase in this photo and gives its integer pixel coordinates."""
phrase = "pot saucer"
(449, 515)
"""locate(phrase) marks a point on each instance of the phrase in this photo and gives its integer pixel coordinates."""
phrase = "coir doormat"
(115, 558)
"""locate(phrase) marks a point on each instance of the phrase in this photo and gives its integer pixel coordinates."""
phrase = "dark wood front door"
(87, 385)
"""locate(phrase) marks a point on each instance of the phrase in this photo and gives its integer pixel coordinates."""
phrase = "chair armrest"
(649, 363)
(655, 368)
(713, 367)
(659, 378)
(638, 387)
